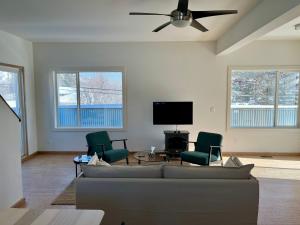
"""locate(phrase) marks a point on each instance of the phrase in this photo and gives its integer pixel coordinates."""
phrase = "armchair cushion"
(205, 140)
(197, 157)
(115, 155)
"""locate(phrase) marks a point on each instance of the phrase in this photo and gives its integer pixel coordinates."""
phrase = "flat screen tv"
(172, 113)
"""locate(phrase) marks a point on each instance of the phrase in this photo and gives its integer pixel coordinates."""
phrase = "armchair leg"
(180, 162)
(221, 158)
(127, 161)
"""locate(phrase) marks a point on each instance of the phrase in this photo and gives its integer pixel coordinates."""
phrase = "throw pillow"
(101, 162)
(233, 161)
(94, 160)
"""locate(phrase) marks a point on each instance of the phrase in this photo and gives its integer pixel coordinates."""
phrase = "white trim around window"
(77, 71)
(259, 68)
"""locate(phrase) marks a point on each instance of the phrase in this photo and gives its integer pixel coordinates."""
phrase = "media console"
(176, 142)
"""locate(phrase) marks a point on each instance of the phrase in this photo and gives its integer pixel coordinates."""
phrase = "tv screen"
(172, 113)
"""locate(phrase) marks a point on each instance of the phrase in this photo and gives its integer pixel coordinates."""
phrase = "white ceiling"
(108, 20)
(285, 32)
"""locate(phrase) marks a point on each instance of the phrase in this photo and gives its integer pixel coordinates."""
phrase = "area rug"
(67, 197)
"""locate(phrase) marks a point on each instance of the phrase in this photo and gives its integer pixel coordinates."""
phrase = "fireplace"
(176, 142)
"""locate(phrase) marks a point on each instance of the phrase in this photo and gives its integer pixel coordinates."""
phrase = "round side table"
(80, 159)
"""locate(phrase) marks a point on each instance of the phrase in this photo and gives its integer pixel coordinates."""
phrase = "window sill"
(87, 129)
(264, 130)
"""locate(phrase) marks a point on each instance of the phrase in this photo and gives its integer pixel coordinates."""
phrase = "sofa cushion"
(207, 172)
(122, 171)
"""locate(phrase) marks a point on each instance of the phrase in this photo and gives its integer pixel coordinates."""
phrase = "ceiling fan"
(182, 16)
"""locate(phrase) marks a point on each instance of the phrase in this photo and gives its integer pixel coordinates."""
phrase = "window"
(264, 98)
(89, 99)
(9, 87)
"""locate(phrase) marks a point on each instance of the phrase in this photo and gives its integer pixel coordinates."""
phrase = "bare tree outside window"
(9, 89)
(100, 88)
(264, 98)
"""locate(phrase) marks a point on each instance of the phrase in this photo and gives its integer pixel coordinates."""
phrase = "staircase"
(10, 156)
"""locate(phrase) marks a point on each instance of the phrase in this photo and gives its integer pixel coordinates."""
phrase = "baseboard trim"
(19, 204)
(223, 153)
(28, 157)
(63, 152)
(259, 154)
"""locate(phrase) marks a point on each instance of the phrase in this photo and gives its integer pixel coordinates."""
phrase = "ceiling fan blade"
(183, 6)
(161, 27)
(198, 26)
(147, 14)
(201, 14)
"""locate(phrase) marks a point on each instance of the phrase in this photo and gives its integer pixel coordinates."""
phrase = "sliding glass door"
(12, 90)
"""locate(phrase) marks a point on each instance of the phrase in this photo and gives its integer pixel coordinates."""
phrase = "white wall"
(10, 160)
(17, 51)
(164, 72)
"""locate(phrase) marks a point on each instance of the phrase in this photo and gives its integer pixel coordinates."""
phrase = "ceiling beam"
(266, 16)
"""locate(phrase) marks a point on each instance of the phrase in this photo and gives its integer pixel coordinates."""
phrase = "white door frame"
(21, 80)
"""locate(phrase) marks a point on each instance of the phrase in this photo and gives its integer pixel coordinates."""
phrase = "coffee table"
(147, 157)
(81, 159)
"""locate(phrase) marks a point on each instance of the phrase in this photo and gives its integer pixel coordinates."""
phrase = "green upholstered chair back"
(95, 140)
(205, 140)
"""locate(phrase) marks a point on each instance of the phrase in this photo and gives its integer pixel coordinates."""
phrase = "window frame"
(229, 91)
(76, 71)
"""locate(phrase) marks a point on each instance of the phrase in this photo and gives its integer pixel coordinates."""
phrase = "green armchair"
(207, 149)
(100, 143)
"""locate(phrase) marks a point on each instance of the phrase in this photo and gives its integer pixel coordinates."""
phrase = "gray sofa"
(170, 195)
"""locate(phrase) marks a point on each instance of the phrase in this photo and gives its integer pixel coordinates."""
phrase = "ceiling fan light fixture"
(297, 26)
(178, 19)
(181, 23)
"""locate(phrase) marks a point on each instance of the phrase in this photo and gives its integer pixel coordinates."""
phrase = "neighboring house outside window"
(264, 98)
(89, 99)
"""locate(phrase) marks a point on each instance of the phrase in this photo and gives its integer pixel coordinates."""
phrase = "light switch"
(212, 109)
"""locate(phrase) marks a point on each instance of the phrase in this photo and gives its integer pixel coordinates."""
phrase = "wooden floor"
(46, 175)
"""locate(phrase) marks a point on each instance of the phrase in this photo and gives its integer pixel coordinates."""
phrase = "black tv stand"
(176, 142)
